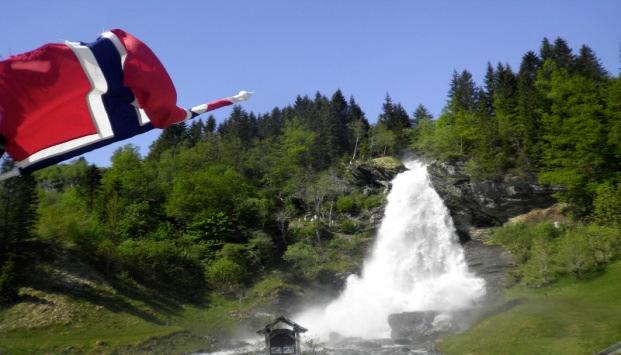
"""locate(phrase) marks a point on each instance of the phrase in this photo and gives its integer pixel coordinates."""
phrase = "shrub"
(372, 201)
(605, 242)
(541, 267)
(348, 204)
(305, 260)
(576, 255)
(348, 226)
(607, 205)
(225, 275)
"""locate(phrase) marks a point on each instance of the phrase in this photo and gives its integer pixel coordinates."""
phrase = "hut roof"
(270, 326)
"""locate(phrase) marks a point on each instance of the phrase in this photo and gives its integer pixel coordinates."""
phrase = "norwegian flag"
(63, 100)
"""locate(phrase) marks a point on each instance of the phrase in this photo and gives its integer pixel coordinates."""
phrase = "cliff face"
(477, 205)
(480, 204)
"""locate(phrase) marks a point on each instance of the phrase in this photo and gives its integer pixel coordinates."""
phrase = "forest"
(218, 208)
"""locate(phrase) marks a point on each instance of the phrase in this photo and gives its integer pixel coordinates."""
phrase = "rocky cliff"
(478, 204)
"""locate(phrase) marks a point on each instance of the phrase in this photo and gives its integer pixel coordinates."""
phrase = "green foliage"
(349, 203)
(270, 287)
(163, 265)
(348, 226)
(544, 253)
(225, 275)
(607, 204)
(304, 259)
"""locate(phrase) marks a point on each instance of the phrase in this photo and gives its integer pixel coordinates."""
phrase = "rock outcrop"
(377, 172)
(478, 204)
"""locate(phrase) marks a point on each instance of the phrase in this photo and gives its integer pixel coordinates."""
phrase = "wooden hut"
(282, 336)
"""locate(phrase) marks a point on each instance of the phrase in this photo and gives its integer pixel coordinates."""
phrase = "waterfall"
(416, 264)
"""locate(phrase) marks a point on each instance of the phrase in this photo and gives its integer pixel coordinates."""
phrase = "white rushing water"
(416, 264)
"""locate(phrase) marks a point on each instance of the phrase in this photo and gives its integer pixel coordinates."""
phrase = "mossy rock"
(388, 163)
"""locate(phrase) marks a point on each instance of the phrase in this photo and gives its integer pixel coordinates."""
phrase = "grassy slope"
(71, 308)
(567, 318)
(92, 328)
(89, 315)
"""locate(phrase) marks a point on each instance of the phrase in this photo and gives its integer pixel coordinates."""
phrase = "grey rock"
(368, 174)
(478, 204)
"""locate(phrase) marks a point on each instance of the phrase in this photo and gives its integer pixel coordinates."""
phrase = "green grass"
(102, 333)
(53, 323)
(571, 317)
(106, 321)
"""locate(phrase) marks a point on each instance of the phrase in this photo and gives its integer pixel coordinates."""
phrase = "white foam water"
(416, 264)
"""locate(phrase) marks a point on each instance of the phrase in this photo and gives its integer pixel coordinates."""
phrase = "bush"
(541, 267)
(372, 201)
(348, 204)
(225, 275)
(607, 205)
(348, 226)
(305, 259)
(576, 255)
(605, 241)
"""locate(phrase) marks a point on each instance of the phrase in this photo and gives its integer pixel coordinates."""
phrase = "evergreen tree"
(421, 113)
(574, 137)
(545, 52)
(340, 117)
(529, 105)
(210, 125)
(588, 65)
(239, 125)
(89, 185)
(195, 132)
(396, 119)
(562, 56)
(486, 97)
(172, 138)
(463, 93)
(18, 205)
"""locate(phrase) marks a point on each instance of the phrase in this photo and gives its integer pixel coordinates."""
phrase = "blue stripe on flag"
(117, 101)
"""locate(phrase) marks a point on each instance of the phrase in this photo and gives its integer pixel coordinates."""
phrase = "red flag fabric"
(62, 100)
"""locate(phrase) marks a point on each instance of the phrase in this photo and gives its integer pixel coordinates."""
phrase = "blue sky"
(282, 48)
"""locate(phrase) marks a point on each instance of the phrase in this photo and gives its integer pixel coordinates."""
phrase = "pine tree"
(18, 206)
(463, 93)
(172, 138)
(89, 185)
(529, 106)
(195, 132)
(562, 56)
(421, 113)
(545, 52)
(588, 65)
(210, 125)
(486, 97)
(394, 117)
(340, 117)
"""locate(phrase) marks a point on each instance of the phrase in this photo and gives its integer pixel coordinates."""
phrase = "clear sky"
(282, 48)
